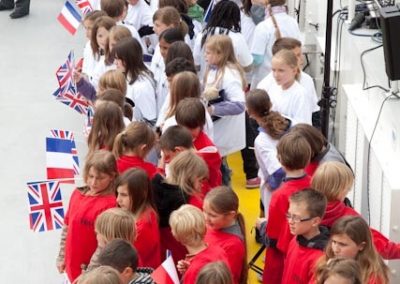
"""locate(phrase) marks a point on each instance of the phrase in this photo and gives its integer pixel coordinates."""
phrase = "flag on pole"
(166, 273)
(84, 5)
(62, 160)
(65, 71)
(46, 207)
(73, 99)
(69, 17)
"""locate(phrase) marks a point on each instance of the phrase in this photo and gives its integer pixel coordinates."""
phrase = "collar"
(275, 10)
(285, 179)
(318, 242)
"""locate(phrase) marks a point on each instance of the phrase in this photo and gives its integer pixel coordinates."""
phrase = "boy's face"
(300, 221)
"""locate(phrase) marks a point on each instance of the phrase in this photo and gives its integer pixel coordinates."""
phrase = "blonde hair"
(184, 85)
(103, 162)
(116, 223)
(185, 168)
(223, 47)
(170, 16)
(113, 79)
(214, 273)
(333, 179)
(288, 57)
(188, 225)
(100, 275)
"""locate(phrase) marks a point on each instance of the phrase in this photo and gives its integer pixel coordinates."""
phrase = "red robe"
(127, 162)
(277, 226)
(386, 248)
(234, 248)
(147, 241)
(81, 239)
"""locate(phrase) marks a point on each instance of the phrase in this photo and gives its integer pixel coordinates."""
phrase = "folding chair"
(252, 263)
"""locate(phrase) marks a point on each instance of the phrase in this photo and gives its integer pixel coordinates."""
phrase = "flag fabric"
(166, 273)
(46, 207)
(73, 99)
(64, 73)
(69, 17)
(84, 5)
(62, 160)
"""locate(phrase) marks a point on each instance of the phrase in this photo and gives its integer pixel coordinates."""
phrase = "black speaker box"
(390, 25)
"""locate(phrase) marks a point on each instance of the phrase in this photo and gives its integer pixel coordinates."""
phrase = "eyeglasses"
(297, 219)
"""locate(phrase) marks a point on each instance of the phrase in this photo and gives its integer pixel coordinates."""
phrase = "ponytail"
(119, 145)
(275, 124)
(244, 273)
(278, 34)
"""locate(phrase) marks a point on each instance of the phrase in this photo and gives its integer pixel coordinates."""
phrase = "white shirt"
(135, 34)
(99, 70)
(89, 62)
(264, 38)
(139, 15)
(142, 93)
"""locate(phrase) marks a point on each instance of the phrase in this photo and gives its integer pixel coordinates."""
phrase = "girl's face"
(343, 246)
(101, 240)
(284, 74)
(337, 279)
(111, 42)
(217, 220)
(123, 198)
(119, 64)
(97, 181)
(88, 25)
(159, 27)
(101, 37)
(212, 58)
(299, 54)
(164, 46)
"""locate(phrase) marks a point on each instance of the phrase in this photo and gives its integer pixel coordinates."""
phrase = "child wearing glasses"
(294, 154)
(305, 213)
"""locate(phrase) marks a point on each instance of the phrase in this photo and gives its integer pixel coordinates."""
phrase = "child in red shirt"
(306, 209)
(226, 229)
(78, 239)
(191, 114)
(131, 147)
(294, 154)
(134, 194)
(189, 228)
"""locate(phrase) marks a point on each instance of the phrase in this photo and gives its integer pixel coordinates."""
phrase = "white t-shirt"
(240, 47)
(292, 102)
(89, 62)
(139, 15)
(264, 38)
(99, 70)
(142, 93)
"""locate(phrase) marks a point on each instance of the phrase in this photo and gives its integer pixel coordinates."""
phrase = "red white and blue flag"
(62, 160)
(69, 17)
(64, 73)
(73, 99)
(46, 207)
(166, 273)
(84, 5)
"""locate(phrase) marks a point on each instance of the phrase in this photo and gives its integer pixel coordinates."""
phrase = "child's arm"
(61, 254)
(86, 89)
(386, 248)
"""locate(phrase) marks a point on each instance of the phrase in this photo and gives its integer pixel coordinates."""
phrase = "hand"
(77, 75)
(182, 266)
(61, 266)
(210, 110)
(259, 221)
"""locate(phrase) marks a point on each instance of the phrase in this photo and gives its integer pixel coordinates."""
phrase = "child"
(116, 96)
(226, 229)
(191, 114)
(189, 228)
(306, 209)
(224, 82)
(100, 275)
(335, 180)
(214, 273)
(114, 223)
(78, 238)
(287, 95)
(141, 85)
(120, 254)
(304, 79)
(181, 186)
(107, 123)
(134, 193)
(272, 127)
(339, 270)
(178, 49)
(277, 24)
(139, 14)
(351, 238)
(294, 155)
(132, 145)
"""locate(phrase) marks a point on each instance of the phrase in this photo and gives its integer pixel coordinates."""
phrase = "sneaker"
(253, 183)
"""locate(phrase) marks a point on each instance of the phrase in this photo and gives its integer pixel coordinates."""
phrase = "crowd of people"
(175, 90)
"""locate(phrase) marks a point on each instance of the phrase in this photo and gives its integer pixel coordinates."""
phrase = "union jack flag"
(63, 134)
(84, 5)
(73, 99)
(64, 73)
(46, 207)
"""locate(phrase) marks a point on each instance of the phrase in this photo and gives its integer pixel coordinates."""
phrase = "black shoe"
(3, 7)
(18, 14)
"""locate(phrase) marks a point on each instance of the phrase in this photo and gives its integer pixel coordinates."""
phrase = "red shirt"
(147, 241)
(127, 162)
(81, 239)
(311, 168)
(197, 262)
(234, 248)
(209, 152)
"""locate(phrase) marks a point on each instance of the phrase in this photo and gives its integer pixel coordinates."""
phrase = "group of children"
(171, 99)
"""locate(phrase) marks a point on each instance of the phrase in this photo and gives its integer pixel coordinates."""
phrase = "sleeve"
(197, 52)
(260, 39)
(86, 89)
(243, 53)
(386, 248)
(228, 108)
(232, 84)
(145, 100)
(275, 179)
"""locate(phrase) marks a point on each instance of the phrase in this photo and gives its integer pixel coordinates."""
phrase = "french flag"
(166, 273)
(69, 17)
